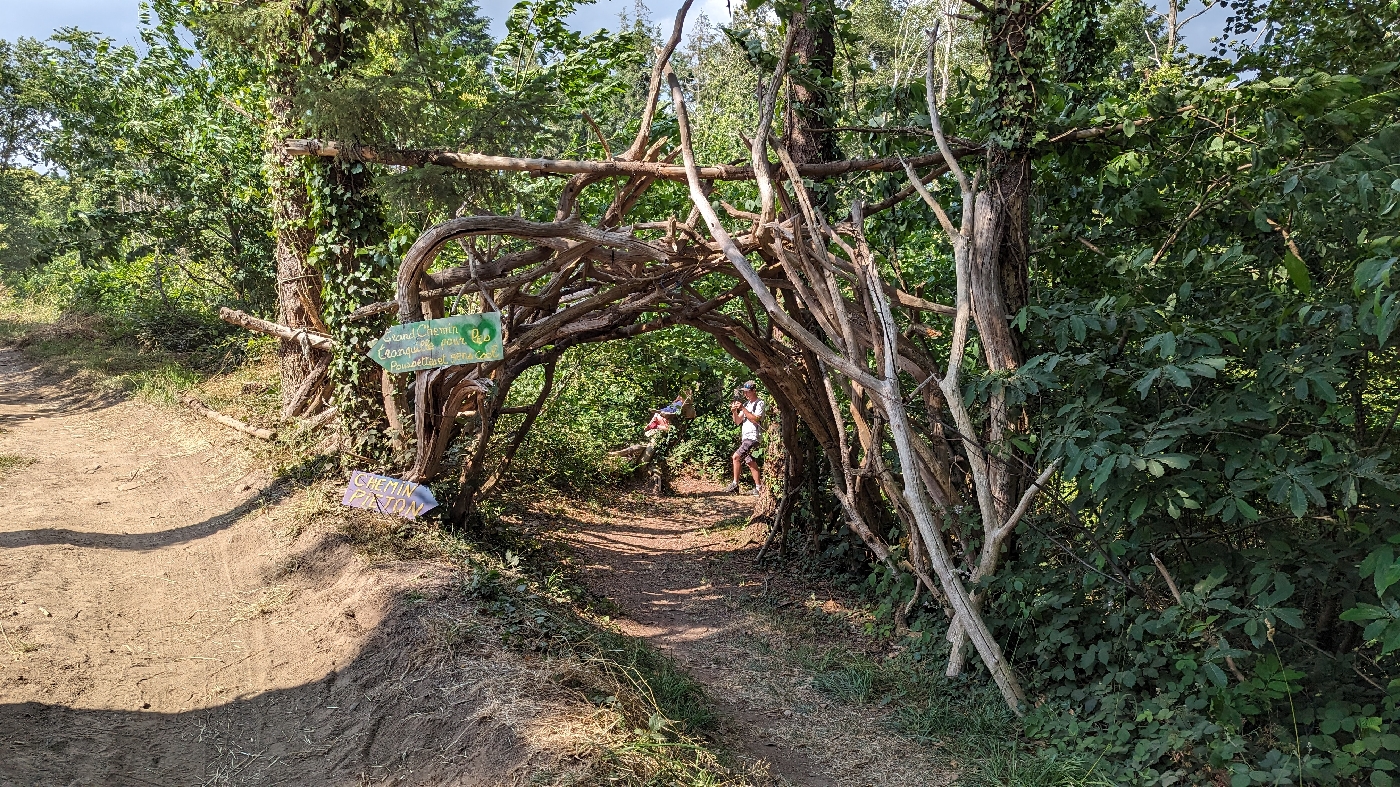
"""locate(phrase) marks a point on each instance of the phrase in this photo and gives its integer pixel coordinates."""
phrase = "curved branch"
(936, 121)
(426, 248)
(654, 89)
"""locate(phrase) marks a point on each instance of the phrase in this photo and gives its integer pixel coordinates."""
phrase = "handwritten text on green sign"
(414, 346)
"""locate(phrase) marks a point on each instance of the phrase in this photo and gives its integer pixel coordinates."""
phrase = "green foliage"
(142, 156)
(541, 58)
(1286, 36)
(1215, 369)
(604, 396)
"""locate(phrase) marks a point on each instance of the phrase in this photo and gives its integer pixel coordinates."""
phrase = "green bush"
(158, 306)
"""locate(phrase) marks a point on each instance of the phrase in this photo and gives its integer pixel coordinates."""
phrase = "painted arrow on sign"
(450, 341)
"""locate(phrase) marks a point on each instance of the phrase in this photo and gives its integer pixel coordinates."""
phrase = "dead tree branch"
(541, 166)
(316, 341)
(233, 423)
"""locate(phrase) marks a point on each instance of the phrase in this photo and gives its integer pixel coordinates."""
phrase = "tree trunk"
(298, 286)
(814, 47)
(356, 275)
(999, 288)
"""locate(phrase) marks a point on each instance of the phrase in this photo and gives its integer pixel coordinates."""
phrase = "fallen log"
(320, 420)
(302, 396)
(233, 423)
(317, 341)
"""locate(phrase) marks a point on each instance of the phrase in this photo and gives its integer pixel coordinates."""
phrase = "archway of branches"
(866, 376)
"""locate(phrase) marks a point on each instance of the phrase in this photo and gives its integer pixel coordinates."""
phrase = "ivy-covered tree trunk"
(298, 284)
(351, 247)
(811, 110)
(351, 250)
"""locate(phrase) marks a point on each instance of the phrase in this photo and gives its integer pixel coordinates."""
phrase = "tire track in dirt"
(127, 531)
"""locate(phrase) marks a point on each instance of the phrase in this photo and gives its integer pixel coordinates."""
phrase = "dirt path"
(682, 569)
(165, 620)
(163, 624)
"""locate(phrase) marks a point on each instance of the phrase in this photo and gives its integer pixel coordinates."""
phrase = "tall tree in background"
(347, 217)
(812, 108)
(267, 41)
(133, 164)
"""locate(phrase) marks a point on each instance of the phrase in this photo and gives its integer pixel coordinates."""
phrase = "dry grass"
(313, 505)
(251, 392)
(269, 600)
(650, 720)
(449, 635)
(11, 462)
(19, 319)
(598, 717)
(89, 351)
(94, 351)
(15, 642)
(379, 538)
(44, 325)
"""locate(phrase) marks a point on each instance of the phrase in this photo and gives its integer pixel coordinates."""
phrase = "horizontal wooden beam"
(543, 166)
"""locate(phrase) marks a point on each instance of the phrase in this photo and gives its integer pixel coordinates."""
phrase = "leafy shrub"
(157, 307)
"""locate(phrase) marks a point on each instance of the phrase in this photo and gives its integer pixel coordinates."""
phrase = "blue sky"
(119, 18)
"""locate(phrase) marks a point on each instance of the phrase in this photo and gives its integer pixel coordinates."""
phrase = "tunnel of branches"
(877, 442)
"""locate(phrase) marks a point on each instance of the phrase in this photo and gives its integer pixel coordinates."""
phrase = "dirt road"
(162, 626)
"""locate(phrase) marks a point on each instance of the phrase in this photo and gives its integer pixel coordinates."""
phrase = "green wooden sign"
(450, 341)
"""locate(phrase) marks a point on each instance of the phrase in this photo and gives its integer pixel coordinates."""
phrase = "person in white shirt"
(746, 415)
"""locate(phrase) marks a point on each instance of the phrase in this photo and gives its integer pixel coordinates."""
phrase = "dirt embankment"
(164, 623)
